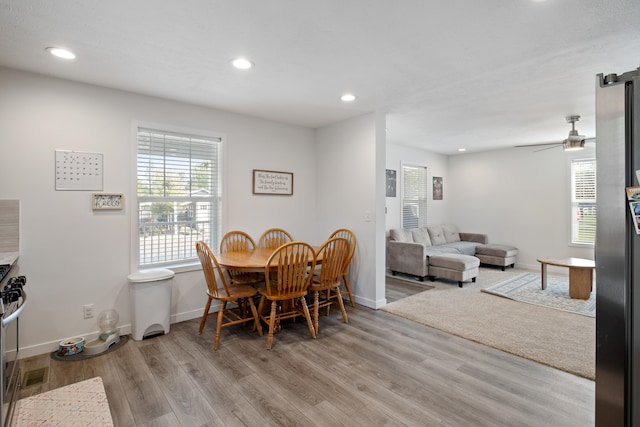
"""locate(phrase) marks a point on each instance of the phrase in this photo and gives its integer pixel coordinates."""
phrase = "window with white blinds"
(179, 198)
(583, 201)
(414, 196)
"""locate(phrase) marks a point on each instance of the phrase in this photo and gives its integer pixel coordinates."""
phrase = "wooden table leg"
(580, 283)
(544, 275)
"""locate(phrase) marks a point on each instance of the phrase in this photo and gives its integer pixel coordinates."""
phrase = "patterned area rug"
(527, 288)
(80, 404)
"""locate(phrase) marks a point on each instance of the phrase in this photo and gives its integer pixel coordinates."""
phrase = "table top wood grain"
(254, 260)
(568, 262)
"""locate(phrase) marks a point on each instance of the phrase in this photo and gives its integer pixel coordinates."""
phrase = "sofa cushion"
(420, 235)
(497, 250)
(400, 235)
(462, 247)
(451, 233)
(437, 235)
(439, 250)
(455, 261)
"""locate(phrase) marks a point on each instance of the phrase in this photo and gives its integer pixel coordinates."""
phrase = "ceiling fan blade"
(548, 148)
(543, 144)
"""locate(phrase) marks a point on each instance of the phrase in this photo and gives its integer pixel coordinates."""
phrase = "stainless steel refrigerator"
(617, 251)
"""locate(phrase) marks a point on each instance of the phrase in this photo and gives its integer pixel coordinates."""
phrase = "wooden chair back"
(209, 267)
(334, 253)
(237, 241)
(351, 238)
(274, 238)
(289, 270)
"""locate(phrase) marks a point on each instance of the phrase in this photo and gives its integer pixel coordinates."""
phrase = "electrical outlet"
(88, 311)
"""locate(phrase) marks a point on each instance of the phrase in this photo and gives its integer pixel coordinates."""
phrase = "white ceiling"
(458, 73)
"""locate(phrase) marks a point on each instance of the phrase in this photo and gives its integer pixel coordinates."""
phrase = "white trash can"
(150, 292)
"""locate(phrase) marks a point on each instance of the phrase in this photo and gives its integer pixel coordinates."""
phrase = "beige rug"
(80, 404)
(556, 338)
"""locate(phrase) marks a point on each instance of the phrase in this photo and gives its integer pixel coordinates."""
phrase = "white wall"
(519, 197)
(437, 165)
(72, 255)
(350, 157)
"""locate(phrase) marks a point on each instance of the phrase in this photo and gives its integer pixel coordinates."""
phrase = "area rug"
(552, 337)
(80, 404)
(527, 288)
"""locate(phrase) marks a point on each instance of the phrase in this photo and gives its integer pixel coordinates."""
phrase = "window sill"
(178, 268)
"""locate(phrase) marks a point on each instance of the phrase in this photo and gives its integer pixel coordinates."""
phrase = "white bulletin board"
(76, 170)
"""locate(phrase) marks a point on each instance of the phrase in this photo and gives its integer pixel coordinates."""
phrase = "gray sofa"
(410, 248)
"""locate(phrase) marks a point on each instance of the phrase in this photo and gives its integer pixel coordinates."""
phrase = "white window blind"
(178, 181)
(583, 201)
(414, 196)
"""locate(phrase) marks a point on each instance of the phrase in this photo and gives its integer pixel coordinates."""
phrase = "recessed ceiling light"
(61, 53)
(348, 97)
(242, 63)
(462, 149)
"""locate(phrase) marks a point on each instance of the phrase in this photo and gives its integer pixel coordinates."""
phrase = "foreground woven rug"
(553, 337)
(80, 404)
(527, 288)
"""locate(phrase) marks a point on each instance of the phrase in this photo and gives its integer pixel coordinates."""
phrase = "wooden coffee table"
(580, 274)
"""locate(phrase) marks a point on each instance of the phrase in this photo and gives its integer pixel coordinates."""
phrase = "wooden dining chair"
(288, 274)
(351, 238)
(333, 253)
(239, 241)
(227, 293)
(274, 238)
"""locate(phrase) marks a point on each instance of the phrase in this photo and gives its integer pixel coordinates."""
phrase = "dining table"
(254, 260)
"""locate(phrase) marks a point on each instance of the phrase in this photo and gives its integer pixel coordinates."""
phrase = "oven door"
(10, 377)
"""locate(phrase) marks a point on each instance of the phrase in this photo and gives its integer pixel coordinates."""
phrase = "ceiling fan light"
(61, 53)
(573, 144)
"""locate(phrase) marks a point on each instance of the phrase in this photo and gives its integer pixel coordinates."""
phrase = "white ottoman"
(495, 254)
(454, 267)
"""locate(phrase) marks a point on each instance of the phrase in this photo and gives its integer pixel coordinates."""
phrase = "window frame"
(421, 220)
(574, 203)
(217, 224)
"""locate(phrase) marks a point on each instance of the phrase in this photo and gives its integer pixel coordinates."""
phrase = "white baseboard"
(51, 346)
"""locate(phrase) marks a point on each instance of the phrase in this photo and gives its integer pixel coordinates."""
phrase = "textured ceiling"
(462, 73)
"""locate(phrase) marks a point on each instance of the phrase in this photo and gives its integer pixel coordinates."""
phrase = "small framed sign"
(391, 183)
(272, 182)
(107, 201)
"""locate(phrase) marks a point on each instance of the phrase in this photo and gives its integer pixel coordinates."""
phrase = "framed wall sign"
(437, 188)
(272, 182)
(391, 183)
(107, 201)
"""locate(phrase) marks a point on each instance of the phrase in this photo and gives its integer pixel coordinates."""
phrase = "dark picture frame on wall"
(391, 183)
(272, 183)
(437, 188)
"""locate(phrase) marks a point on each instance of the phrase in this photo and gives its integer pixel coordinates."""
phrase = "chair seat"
(317, 286)
(236, 291)
(288, 296)
(247, 278)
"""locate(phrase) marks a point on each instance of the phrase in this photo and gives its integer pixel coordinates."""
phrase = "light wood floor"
(377, 370)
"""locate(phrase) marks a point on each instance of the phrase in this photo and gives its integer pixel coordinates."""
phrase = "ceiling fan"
(574, 142)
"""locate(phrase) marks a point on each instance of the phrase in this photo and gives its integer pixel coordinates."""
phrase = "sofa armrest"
(408, 257)
(475, 237)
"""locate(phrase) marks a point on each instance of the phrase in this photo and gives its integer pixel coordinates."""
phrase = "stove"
(13, 299)
(4, 270)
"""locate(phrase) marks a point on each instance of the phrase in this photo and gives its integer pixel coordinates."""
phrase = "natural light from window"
(178, 189)
(583, 201)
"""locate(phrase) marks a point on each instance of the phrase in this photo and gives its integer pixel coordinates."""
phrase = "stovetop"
(4, 270)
